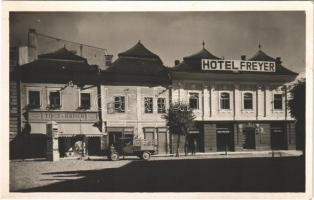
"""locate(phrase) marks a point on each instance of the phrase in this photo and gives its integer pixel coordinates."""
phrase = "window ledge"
(278, 111)
(225, 111)
(248, 111)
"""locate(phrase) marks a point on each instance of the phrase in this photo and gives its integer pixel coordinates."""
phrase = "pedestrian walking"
(194, 146)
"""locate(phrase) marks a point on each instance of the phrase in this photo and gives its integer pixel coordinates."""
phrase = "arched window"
(248, 101)
(225, 101)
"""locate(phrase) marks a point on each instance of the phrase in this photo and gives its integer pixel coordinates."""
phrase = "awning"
(69, 130)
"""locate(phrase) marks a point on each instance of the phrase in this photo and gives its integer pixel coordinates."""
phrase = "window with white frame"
(224, 101)
(119, 104)
(148, 104)
(34, 99)
(194, 100)
(85, 101)
(278, 101)
(161, 104)
(54, 99)
(248, 101)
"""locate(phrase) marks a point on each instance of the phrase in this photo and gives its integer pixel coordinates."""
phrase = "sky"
(174, 35)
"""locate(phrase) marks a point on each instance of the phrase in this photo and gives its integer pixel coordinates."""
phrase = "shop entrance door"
(225, 141)
(249, 138)
(278, 137)
(162, 142)
(114, 137)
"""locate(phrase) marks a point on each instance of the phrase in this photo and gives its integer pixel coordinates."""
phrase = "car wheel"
(146, 155)
(114, 156)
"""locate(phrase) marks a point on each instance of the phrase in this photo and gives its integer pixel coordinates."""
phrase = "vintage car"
(127, 146)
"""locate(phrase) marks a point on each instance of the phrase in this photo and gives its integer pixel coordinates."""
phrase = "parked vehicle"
(127, 146)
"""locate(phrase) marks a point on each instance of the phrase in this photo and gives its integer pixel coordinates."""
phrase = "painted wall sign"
(238, 65)
(64, 116)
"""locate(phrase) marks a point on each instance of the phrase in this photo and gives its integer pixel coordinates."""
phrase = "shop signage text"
(238, 65)
(64, 116)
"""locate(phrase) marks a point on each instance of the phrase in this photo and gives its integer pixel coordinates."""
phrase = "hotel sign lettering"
(238, 65)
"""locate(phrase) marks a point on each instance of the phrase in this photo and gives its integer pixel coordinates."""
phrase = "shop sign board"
(238, 65)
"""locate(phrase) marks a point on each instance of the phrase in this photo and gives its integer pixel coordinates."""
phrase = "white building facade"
(236, 110)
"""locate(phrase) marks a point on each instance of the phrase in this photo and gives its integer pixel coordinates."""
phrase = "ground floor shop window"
(114, 137)
(94, 146)
(149, 134)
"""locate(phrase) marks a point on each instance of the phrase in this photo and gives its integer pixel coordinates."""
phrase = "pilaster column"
(205, 101)
(236, 101)
(259, 102)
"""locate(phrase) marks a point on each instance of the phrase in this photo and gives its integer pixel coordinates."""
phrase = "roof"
(280, 70)
(193, 64)
(138, 61)
(62, 54)
(138, 50)
(61, 63)
(203, 54)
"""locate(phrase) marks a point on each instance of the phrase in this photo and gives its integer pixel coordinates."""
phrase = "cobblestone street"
(213, 173)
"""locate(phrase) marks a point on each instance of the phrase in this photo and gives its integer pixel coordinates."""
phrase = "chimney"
(176, 62)
(23, 57)
(32, 45)
(108, 60)
(243, 57)
(278, 60)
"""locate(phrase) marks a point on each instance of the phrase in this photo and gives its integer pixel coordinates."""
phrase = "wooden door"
(162, 143)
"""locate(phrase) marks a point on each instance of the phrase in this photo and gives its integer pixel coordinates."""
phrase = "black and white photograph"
(157, 101)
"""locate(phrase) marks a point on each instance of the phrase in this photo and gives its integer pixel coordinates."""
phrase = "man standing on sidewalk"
(194, 146)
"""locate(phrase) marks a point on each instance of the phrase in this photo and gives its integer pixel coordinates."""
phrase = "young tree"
(180, 120)
(297, 109)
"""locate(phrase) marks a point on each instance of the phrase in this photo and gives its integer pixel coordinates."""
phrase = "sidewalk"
(239, 154)
(198, 155)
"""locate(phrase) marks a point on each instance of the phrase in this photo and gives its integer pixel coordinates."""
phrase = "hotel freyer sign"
(238, 65)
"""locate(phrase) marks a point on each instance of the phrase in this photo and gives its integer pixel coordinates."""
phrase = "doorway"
(249, 138)
(225, 137)
(278, 137)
